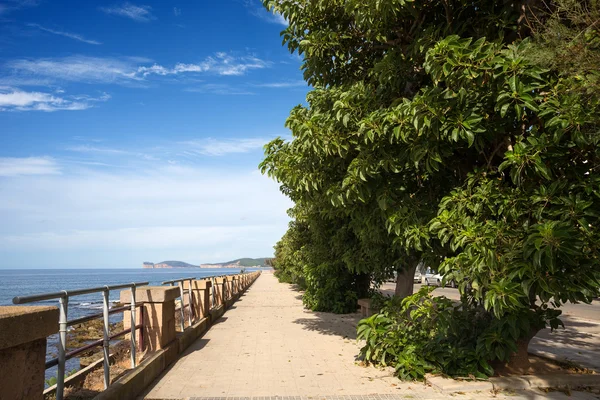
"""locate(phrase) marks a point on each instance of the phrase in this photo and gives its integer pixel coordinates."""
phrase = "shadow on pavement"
(342, 325)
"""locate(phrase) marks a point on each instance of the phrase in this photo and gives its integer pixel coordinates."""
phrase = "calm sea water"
(36, 281)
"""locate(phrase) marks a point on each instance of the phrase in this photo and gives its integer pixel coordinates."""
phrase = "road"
(583, 311)
(578, 342)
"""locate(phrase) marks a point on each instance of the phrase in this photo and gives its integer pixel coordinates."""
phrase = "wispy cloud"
(111, 152)
(221, 64)
(255, 8)
(280, 85)
(11, 5)
(69, 35)
(15, 166)
(176, 11)
(17, 100)
(221, 147)
(14, 81)
(78, 69)
(95, 149)
(218, 88)
(195, 214)
(129, 70)
(137, 13)
(190, 150)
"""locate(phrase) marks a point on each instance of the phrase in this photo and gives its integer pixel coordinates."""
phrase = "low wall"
(24, 329)
(134, 382)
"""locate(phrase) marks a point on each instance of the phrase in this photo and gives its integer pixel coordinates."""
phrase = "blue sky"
(132, 131)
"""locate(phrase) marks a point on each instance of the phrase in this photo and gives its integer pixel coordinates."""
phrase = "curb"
(523, 382)
(447, 385)
(546, 381)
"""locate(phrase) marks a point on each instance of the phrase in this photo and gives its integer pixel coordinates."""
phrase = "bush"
(331, 287)
(424, 334)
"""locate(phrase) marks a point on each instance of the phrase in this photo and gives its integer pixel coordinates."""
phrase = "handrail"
(63, 299)
(64, 323)
(98, 315)
(53, 362)
(179, 283)
(179, 280)
(76, 292)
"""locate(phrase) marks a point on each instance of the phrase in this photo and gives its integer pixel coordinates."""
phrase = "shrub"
(424, 334)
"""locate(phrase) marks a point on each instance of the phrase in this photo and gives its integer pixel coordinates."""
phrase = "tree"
(445, 131)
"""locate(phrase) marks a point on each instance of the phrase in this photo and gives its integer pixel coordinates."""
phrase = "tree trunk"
(405, 281)
(519, 361)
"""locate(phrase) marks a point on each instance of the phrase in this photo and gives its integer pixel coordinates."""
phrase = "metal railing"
(193, 314)
(64, 323)
(179, 283)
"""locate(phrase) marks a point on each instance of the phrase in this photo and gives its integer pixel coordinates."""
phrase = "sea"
(25, 282)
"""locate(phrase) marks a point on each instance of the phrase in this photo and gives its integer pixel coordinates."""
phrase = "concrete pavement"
(268, 347)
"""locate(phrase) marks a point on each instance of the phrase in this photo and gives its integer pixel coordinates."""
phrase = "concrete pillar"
(23, 332)
(230, 287)
(220, 291)
(238, 282)
(158, 318)
(201, 293)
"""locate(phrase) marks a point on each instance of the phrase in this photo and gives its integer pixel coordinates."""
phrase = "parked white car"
(431, 279)
(418, 277)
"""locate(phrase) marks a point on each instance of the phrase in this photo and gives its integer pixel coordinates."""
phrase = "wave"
(92, 305)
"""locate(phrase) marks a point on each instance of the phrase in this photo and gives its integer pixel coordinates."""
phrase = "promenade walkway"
(268, 345)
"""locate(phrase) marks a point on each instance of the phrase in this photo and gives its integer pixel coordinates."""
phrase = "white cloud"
(14, 166)
(94, 149)
(121, 219)
(131, 70)
(17, 100)
(176, 11)
(12, 5)
(217, 88)
(221, 147)
(78, 69)
(69, 35)
(274, 18)
(221, 64)
(279, 85)
(190, 149)
(112, 152)
(137, 13)
(256, 9)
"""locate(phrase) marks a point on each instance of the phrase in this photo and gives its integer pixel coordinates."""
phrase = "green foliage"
(52, 380)
(249, 262)
(459, 133)
(424, 334)
(308, 258)
(289, 259)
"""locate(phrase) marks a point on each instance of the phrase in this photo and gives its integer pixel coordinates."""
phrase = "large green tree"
(456, 132)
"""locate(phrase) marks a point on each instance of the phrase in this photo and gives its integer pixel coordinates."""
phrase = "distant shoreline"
(239, 263)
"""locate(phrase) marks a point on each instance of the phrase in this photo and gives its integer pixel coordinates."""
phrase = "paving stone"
(270, 348)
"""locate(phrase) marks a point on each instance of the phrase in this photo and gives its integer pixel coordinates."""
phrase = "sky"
(132, 131)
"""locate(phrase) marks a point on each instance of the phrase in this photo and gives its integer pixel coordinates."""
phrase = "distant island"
(240, 262)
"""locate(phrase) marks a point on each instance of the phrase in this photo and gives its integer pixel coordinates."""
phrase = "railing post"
(23, 333)
(229, 285)
(190, 302)
(212, 291)
(106, 337)
(200, 290)
(220, 287)
(181, 294)
(62, 345)
(158, 305)
(133, 328)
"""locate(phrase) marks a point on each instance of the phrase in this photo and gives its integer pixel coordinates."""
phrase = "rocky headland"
(239, 263)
